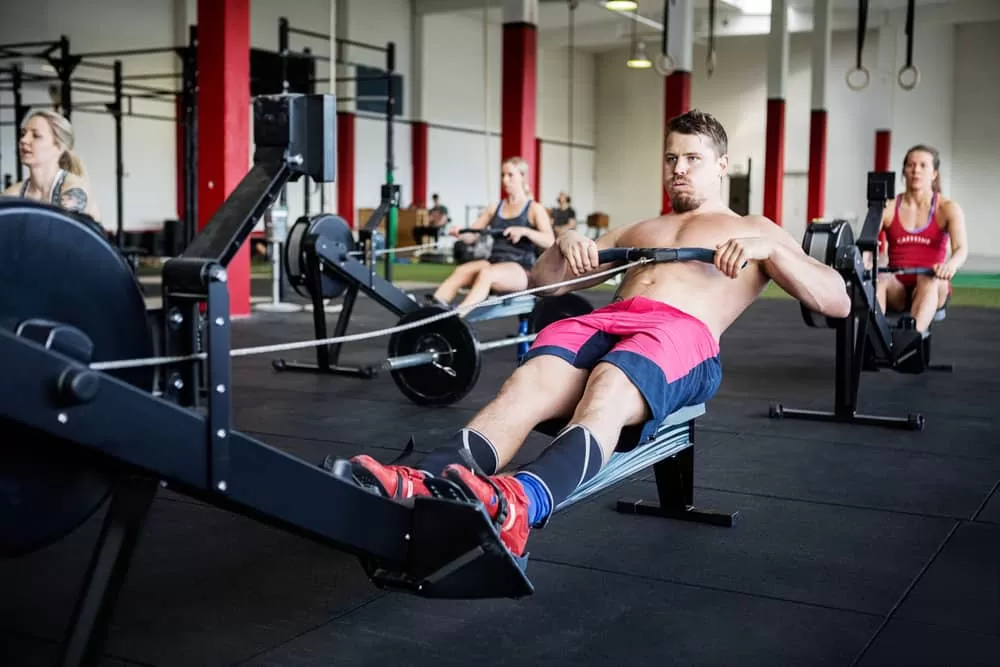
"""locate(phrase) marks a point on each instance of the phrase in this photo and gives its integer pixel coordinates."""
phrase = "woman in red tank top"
(918, 229)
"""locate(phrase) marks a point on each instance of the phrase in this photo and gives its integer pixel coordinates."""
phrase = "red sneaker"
(505, 502)
(392, 481)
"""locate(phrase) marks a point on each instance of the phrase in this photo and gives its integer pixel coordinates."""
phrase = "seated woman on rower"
(917, 231)
(55, 173)
(525, 224)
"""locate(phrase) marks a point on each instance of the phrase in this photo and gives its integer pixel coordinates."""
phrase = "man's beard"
(682, 202)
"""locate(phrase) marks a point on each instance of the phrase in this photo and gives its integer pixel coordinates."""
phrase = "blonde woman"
(55, 173)
(523, 225)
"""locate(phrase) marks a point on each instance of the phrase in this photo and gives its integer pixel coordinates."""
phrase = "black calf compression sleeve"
(472, 442)
(573, 458)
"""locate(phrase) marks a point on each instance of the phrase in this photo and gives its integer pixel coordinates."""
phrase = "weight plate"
(821, 242)
(455, 340)
(337, 235)
(553, 308)
(56, 267)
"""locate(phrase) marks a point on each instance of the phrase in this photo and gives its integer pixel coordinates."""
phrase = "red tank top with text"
(921, 247)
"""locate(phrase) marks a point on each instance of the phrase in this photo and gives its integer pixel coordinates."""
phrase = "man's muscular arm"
(571, 256)
(816, 285)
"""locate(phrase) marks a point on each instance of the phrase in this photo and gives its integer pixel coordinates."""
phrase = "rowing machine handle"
(485, 232)
(657, 255)
(911, 271)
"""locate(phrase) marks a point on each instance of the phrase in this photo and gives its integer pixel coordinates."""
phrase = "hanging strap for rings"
(856, 83)
(711, 37)
(663, 63)
(909, 76)
(666, 27)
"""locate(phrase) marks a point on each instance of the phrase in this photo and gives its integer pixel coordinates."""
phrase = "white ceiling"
(598, 29)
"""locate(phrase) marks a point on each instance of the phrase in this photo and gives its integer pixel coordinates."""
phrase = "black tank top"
(522, 252)
(55, 197)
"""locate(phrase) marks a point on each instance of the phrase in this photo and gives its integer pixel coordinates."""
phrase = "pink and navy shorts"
(671, 357)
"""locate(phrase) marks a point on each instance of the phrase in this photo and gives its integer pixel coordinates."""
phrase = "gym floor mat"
(851, 541)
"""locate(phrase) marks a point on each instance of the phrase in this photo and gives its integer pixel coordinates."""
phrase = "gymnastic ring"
(902, 73)
(711, 62)
(864, 82)
(664, 64)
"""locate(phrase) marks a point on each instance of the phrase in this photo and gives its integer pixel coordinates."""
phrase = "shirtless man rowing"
(651, 352)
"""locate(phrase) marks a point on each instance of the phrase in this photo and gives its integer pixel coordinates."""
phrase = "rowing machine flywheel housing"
(59, 274)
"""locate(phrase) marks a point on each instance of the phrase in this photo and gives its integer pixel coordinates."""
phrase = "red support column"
(676, 101)
(345, 166)
(816, 199)
(821, 44)
(774, 138)
(418, 159)
(518, 81)
(224, 122)
(774, 160)
(536, 185)
(883, 145)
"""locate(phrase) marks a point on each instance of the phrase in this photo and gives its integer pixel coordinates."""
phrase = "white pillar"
(346, 90)
(520, 11)
(821, 35)
(777, 51)
(680, 36)
(330, 189)
(884, 73)
(416, 84)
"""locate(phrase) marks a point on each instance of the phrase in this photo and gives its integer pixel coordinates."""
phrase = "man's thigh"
(670, 369)
(578, 341)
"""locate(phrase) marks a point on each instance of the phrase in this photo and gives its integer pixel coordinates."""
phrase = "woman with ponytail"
(920, 228)
(55, 173)
(525, 226)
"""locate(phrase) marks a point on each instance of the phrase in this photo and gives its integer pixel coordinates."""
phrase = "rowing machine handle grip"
(484, 232)
(657, 255)
(912, 271)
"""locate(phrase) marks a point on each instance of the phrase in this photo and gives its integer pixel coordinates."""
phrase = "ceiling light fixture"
(621, 5)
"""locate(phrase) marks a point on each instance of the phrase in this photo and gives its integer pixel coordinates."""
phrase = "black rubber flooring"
(854, 546)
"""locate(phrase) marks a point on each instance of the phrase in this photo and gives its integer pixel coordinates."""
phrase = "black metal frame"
(359, 276)
(866, 331)
(674, 476)
(20, 111)
(439, 547)
(391, 214)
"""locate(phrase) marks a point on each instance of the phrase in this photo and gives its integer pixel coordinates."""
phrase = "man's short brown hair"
(705, 124)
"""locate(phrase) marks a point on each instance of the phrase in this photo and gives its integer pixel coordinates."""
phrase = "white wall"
(453, 98)
(462, 103)
(976, 137)
(630, 115)
(629, 121)
(567, 156)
